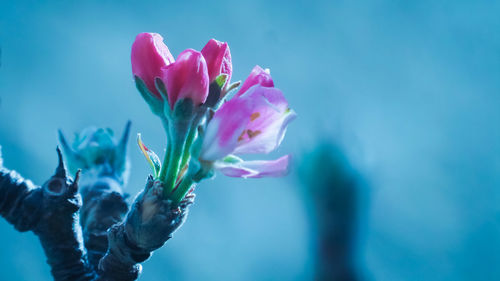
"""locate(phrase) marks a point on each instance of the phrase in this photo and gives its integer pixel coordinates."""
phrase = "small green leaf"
(221, 80)
(151, 157)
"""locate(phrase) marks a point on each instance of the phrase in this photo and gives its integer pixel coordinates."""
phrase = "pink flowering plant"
(81, 215)
(208, 126)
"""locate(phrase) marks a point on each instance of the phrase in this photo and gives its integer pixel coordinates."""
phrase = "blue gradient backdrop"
(410, 89)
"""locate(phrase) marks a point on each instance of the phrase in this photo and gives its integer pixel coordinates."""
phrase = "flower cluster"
(206, 130)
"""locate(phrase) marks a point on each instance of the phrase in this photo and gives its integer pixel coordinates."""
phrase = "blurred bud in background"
(335, 194)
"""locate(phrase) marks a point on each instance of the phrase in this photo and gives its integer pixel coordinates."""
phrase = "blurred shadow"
(334, 191)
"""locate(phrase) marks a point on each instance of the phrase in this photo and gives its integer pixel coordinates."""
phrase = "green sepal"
(232, 159)
(216, 91)
(214, 94)
(154, 102)
(183, 110)
(160, 86)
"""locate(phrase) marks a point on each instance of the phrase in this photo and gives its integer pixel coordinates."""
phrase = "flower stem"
(172, 165)
(192, 135)
(179, 192)
(189, 142)
(194, 175)
(183, 188)
(168, 151)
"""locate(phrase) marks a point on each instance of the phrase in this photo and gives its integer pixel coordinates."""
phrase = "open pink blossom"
(187, 78)
(218, 59)
(149, 56)
(254, 121)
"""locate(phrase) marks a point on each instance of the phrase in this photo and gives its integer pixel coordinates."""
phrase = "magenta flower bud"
(257, 76)
(218, 59)
(149, 56)
(187, 78)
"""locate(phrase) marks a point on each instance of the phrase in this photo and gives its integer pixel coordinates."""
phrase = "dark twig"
(101, 187)
(149, 224)
(115, 246)
(50, 211)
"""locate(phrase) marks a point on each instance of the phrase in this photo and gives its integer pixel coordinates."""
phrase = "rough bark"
(116, 244)
(50, 211)
(148, 225)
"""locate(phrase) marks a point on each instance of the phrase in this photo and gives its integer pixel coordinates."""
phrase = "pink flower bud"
(187, 78)
(218, 59)
(257, 76)
(149, 56)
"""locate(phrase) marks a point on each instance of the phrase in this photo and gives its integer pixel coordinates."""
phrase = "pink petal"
(255, 169)
(227, 124)
(257, 76)
(218, 59)
(269, 119)
(187, 78)
(254, 122)
(149, 55)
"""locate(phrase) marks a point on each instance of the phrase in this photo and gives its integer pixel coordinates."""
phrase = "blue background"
(409, 89)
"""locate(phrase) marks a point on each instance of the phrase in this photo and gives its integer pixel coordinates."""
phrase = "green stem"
(182, 189)
(173, 169)
(168, 151)
(168, 175)
(190, 139)
(192, 176)
(192, 134)
(189, 142)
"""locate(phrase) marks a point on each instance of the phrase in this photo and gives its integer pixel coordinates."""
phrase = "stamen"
(251, 134)
(240, 138)
(254, 116)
